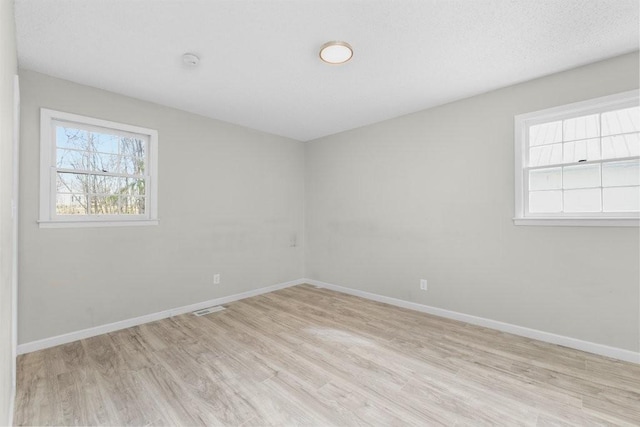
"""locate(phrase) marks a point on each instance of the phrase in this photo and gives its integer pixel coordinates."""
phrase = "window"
(579, 164)
(96, 173)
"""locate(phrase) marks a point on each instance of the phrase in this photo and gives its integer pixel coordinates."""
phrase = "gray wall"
(430, 195)
(230, 202)
(7, 72)
(427, 195)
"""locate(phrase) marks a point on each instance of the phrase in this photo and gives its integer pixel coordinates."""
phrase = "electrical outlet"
(423, 284)
(216, 279)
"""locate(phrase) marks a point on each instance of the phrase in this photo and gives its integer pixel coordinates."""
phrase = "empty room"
(320, 212)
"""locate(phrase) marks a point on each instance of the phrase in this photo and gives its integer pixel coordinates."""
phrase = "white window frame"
(48, 169)
(522, 124)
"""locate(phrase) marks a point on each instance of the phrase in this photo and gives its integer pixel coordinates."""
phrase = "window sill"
(579, 222)
(84, 224)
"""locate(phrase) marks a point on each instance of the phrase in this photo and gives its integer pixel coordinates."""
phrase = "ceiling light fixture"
(190, 60)
(336, 52)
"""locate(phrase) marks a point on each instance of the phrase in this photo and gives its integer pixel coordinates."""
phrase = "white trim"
(14, 237)
(579, 222)
(590, 347)
(12, 404)
(123, 324)
(47, 169)
(93, 223)
(521, 124)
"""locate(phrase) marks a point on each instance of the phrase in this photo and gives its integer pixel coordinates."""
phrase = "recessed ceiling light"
(336, 52)
(190, 60)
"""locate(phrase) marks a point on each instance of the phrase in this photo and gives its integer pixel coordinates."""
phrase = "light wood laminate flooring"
(310, 356)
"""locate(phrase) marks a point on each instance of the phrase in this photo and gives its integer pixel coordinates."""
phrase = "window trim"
(47, 184)
(521, 125)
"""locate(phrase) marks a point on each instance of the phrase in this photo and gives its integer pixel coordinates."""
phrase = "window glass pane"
(104, 162)
(133, 147)
(621, 173)
(109, 195)
(71, 204)
(545, 155)
(582, 200)
(132, 186)
(105, 184)
(132, 165)
(545, 179)
(621, 146)
(621, 121)
(103, 142)
(581, 176)
(103, 205)
(575, 151)
(582, 127)
(546, 133)
(68, 137)
(132, 205)
(72, 159)
(621, 199)
(72, 183)
(545, 201)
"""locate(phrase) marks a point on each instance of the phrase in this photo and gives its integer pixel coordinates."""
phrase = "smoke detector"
(190, 60)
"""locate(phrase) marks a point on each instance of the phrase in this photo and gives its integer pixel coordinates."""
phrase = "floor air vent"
(209, 310)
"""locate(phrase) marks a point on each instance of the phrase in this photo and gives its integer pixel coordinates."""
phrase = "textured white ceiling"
(259, 58)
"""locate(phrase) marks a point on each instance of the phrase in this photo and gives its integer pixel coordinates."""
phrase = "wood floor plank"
(311, 356)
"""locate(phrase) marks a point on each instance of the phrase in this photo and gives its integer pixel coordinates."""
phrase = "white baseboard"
(591, 347)
(111, 327)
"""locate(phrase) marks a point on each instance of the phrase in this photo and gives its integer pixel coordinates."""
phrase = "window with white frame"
(95, 172)
(579, 164)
